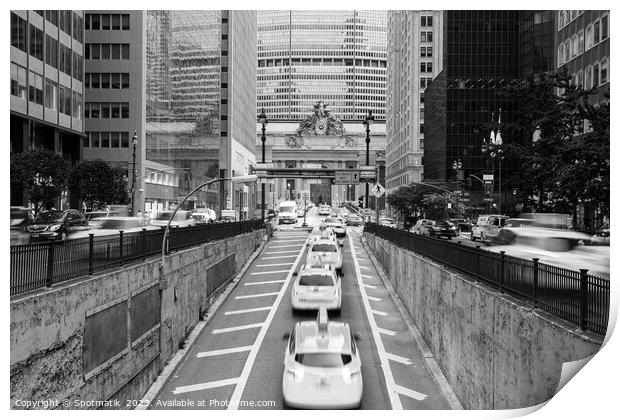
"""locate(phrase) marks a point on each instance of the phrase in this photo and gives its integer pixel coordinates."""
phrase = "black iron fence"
(44, 264)
(575, 296)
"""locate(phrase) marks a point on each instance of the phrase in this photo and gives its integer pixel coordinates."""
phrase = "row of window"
(322, 62)
(426, 51)
(426, 21)
(567, 16)
(106, 52)
(106, 81)
(106, 139)
(596, 32)
(424, 81)
(426, 36)
(593, 76)
(426, 66)
(106, 110)
(106, 22)
(52, 96)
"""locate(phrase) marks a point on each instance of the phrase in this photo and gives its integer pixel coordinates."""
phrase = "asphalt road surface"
(237, 360)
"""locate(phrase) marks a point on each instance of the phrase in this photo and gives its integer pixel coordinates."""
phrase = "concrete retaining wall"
(47, 328)
(496, 352)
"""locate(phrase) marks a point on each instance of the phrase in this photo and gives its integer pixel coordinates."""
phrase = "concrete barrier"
(59, 336)
(495, 351)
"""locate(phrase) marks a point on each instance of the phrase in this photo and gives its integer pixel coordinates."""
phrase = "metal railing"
(575, 296)
(44, 264)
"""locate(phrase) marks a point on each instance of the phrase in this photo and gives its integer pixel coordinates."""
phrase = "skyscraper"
(306, 56)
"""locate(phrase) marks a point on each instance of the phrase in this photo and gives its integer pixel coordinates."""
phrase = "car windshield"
(324, 248)
(331, 220)
(48, 216)
(324, 360)
(316, 280)
(287, 209)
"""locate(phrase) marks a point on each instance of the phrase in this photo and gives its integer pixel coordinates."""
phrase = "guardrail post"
(50, 263)
(144, 243)
(121, 246)
(501, 271)
(535, 287)
(583, 299)
(91, 247)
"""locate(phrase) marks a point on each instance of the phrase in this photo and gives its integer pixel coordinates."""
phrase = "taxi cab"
(325, 251)
(322, 367)
(316, 286)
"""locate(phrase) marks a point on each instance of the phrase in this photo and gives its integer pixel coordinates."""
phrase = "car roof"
(324, 241)
(316, 269)
(323, 335)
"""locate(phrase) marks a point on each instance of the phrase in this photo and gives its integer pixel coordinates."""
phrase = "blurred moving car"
(353, 219)
(183, 218)
(99, 214)
(204, 215)
(322, 367)
(423, 227)
(601, 237)
(463, 225)
(57, 224)
(271, 213)
(325, 210)
(387, 221)
(337, 225)
(21, 217)
(287, 212)
(325, 251)
(487, 227)
(315, 286)
(105, 226)
(452, 229)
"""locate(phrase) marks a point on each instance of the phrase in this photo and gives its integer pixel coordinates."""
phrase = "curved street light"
(367, 123)
(262, 118)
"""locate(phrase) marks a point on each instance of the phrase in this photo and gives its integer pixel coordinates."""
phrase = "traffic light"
(360, 202)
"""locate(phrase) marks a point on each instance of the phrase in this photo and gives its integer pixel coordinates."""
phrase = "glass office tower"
(305, 56)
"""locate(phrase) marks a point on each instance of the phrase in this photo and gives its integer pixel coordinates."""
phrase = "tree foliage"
(97, 183)
(42, 174)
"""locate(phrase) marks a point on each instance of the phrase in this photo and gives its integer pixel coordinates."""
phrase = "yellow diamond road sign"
(377, 190)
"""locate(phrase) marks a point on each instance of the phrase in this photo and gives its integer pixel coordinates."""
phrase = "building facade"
(47, 91)
(338, 57)
(415, 57)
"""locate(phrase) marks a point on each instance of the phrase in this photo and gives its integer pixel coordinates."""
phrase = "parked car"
(21, 217)
(487, 227)
(183, 218)
(387, 221)
(57, 224)
(353, 219)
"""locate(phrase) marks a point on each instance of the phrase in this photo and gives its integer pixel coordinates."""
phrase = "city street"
(241, 348)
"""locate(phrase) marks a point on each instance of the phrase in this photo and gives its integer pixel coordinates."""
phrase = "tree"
(42, 174)
(97, 183)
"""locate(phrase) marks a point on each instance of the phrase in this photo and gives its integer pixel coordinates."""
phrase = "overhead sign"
(367, 168)
(343, 178)
(487, 177)
(377, 190)
(266, 165)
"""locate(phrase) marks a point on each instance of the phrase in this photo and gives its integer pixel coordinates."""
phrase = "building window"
(581, 43)
(595, 75)
(51, 95)
(561, 19)
(95, 110)
(94, 139)
(105, 80)
(77, 66)
(65, 21)
(105, 109)
(604, 71)
(64, 103)
(587, 83)
(124, 80)
(597, 31)
(105, 139)
(116, 80)
(125, 110)
(95, 22)
(52, 16)
(105, 22)
(125, 48)
(18, 81)
(125, 140)
(77, 105)
(115, 139)
(423, 36)
(421, 128)
(422, 82)
(125, 22)
(35, 88)
(86, 140)
(77, 28)
(604, 27)
(51, 51)
(18, 32)
(36, 43)
(589, 37)
(575, 46)
(115, 110)
(580, 78)
(116, 22)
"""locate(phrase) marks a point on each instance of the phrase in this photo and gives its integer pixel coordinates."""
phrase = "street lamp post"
(262, 118)
(457, 165)
(495, 151)
(134, 142)
(368, 122)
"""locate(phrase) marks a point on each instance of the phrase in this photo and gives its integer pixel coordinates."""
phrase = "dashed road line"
(376, 299)
(380, 313)
(258, 273)
(273, 265)
(370, 286)
(223, 351)
(279, 246)
(399, 359)
(238, 328)
(364, 267)
(258, 283)
(278, 257)
(245, 311)
(206, 385)
(410, 393)
(368, 276)
(386, 332)
(281, 252)
(255, 296)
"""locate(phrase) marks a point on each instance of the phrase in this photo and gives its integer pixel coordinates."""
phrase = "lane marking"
(370, 286)
(238, 328)
(206, 385)
(259, 295)
(387, 332)
(281, 252)
(365, 268)
(288, 240)
(245, 311)
(368, 276)
(249, 363)
(257, 283)
(398, 359)
(380, 313)
(279, 246)
(385, 365)
(410, 393)
(272, 265)
(223, 351)
(376, 299)
(281, 256)
(258, 273)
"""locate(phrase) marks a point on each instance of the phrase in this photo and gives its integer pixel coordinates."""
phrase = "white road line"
(206, 385)
(376, 299)
(281, 252)
(223, 351)
(385, 365)
(368, 276)
(272, 265)
(365, 268)
(370, 286)
(281, 256)
(249, 363)
(380, 313)
(245, 311)
(281, 246)
(410, 393)
(259, 295)
(258, 273)
(398, 359)
(288, 240)
(387, 332)
(238, 328)
(257, 283)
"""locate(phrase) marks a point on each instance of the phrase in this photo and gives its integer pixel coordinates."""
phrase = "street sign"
(487, 177)
(377, 190)
(305, 195)
(344, 178)
(367, 168)
(266, 165)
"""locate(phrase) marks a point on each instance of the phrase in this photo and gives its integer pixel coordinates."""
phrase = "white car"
(322, 366)
(105, 226)
(337, 225)
(321, 231)
(387, 221)
(325, 210)
(287, 212)
(183, 218)
(316, 286)
(325, 251)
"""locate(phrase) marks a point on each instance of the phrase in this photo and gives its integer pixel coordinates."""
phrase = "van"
(487, 227)
(287, 212)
